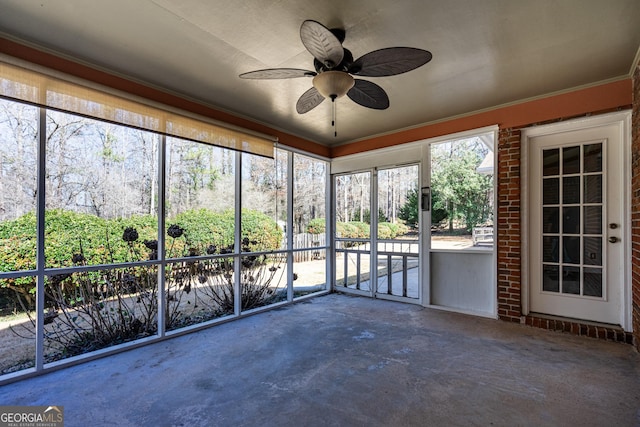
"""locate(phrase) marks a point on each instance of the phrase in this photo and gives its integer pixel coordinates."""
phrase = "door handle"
(613, 239)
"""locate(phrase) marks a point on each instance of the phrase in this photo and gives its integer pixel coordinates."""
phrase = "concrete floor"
(351, 361)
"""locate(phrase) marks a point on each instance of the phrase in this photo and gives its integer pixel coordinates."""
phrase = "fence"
(312, 241)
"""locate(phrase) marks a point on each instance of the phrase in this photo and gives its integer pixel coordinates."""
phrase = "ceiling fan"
(335, 68)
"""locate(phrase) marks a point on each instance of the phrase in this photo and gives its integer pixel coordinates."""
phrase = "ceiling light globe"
(333, 84)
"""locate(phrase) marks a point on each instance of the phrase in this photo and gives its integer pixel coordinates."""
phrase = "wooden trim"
(604, 97)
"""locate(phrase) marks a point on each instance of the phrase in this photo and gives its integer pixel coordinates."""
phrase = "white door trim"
(623, 122)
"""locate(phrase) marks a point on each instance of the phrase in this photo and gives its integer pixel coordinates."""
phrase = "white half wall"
(464, 282)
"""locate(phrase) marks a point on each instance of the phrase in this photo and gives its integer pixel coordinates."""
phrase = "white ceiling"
(485, 52)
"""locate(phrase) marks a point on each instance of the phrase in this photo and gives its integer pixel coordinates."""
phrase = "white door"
(576, 224)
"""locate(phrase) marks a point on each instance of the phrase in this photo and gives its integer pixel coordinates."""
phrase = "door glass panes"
(593, 158)
(551, 248)
(570, 160)
(550, 191)
(551, 162)
(571, 250)
(592, 282)
(592, 250)
(551, 219)
(571, 220)
(572, 245)
(551, 278)
(571, 280)
(570, 190)
(592, 219)
(593, 188)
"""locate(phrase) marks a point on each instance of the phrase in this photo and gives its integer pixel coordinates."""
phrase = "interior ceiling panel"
(485, 53)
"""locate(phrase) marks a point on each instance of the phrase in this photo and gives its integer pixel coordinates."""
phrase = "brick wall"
(509, 236)
(635, 207)
(508, 226)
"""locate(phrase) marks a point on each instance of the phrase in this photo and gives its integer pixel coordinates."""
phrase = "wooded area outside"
(461, 197)
(102, 194)
(102, 198)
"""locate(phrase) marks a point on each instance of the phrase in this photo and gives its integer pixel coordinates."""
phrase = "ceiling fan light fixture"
(333, 84)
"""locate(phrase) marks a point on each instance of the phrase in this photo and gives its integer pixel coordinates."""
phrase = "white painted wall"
(452, 280)
(463, 281)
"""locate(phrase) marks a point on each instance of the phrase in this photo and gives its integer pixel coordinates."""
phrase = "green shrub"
(401, 229)
(204, 228)
(100, 241)
(260, 230)
(363, 229)
(346, 230)
(316, 226)
(385, 231)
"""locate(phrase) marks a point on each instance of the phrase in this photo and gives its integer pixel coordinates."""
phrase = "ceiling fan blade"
(278, 73)
(309, 100)
(390, 61)
(369, 95)
(321, 43)
(340, 34)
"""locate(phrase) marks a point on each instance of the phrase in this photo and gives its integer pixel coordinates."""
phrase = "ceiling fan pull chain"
(334, 118)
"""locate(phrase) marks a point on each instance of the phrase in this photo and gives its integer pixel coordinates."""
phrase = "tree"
(18, 165)
(456, 186)
(409, 211)
(309, 185)
(366, 216)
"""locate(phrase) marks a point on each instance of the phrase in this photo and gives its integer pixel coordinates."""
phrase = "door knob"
(613, 239)
(613, 226)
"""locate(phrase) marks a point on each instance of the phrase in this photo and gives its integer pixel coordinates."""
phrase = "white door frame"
(623, 122)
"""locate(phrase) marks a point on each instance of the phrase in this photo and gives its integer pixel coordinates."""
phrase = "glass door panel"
(572, 246)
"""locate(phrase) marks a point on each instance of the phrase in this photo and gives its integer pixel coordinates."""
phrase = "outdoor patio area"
(342, 360)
